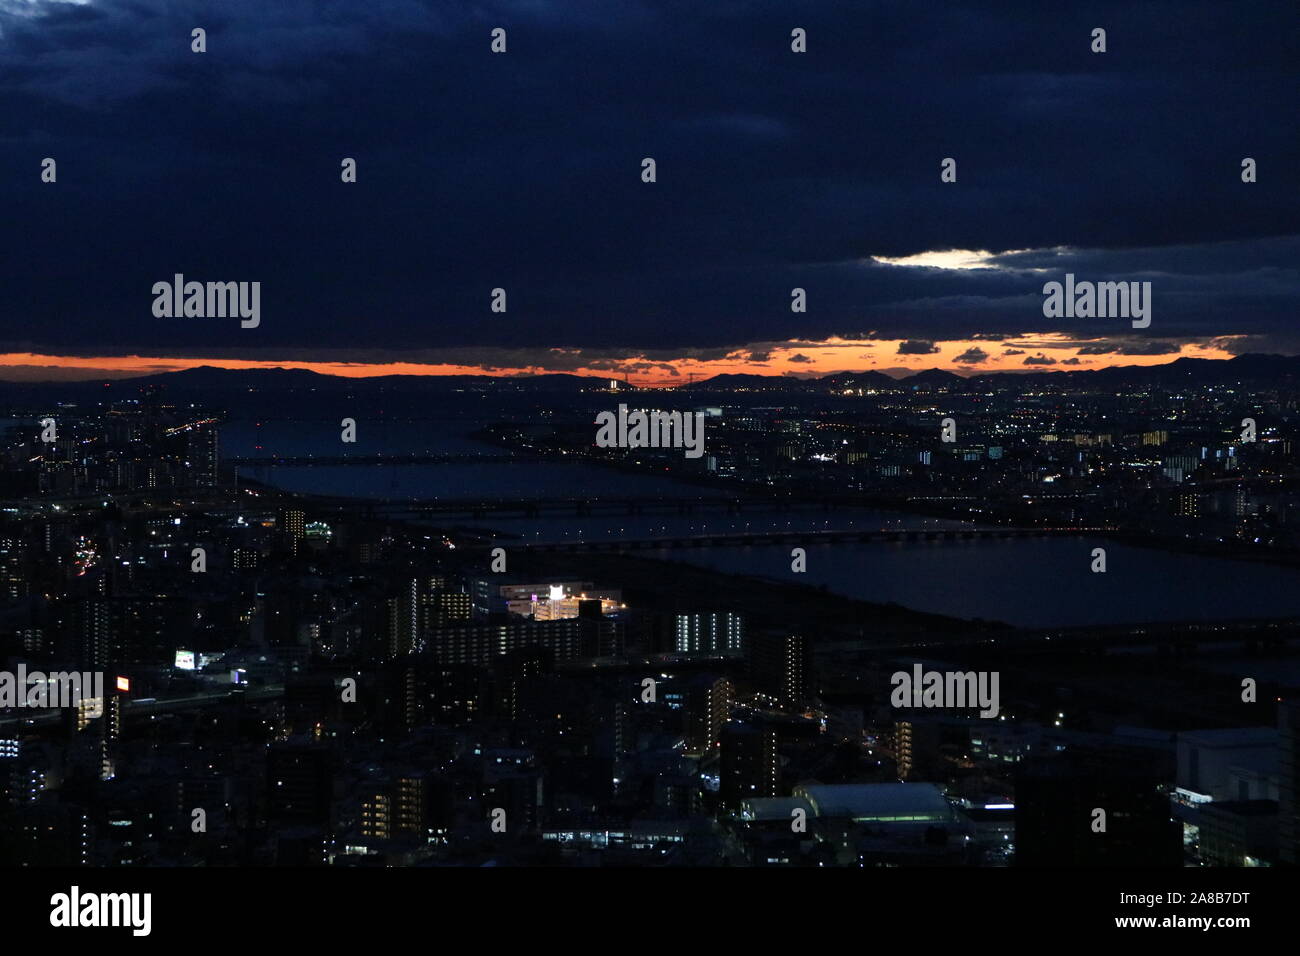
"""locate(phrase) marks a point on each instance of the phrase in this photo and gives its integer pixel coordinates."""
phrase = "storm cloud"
(521, 171)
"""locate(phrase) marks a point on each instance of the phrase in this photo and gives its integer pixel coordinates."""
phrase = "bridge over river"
(761, 538)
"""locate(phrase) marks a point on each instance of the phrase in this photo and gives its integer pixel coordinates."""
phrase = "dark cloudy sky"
(522, 171)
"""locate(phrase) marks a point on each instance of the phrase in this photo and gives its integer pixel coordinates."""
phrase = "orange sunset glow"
(1034, 352)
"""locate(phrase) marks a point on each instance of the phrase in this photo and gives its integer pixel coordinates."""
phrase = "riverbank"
(665, 585)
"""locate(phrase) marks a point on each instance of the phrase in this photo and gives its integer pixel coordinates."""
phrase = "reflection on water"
(1034, 582)
(1041, 582)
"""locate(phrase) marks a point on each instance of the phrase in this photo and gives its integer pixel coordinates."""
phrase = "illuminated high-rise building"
(708, 708)
(201, 449)
(781, 666)
(710, 632)
(293, 523)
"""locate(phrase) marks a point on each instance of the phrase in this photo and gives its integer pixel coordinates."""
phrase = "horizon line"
(385, 370)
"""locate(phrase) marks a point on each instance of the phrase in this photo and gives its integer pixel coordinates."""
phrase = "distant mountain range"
(1183, 371)
(1258, 369)
(210, 378)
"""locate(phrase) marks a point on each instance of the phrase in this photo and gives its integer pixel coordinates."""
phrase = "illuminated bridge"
(300, 461)
(535, 507)
(761, 538)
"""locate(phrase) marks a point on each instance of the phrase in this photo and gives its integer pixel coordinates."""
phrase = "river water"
(1045, 582)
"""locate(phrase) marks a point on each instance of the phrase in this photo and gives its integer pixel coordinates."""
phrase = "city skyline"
(657, 436)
